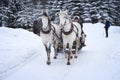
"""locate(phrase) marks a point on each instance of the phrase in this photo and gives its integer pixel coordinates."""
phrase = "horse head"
(65, 21)
(63, 16)
(45, 21)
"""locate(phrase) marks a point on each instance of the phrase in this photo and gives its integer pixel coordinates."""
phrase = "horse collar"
(68, 32)
(47, 31)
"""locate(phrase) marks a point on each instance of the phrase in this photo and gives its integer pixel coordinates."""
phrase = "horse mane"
(37, 24)
(45, 14)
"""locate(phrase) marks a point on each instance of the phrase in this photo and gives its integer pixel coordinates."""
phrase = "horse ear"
(60, 11)
(66, 11)
(57, 13)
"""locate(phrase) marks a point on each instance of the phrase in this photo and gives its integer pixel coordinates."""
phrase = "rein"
(77, 30)
(55, 32)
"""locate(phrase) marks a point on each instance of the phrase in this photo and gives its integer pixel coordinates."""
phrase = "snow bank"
(99, 60)
(17, 46)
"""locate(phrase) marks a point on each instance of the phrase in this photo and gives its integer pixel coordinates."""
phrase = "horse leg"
(48, 50)
(55, 50)
(76, 50)
(64, 51)
(80, 43)
(83, 40)
(69, 55)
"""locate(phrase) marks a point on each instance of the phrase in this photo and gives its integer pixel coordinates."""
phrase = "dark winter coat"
(107, 24)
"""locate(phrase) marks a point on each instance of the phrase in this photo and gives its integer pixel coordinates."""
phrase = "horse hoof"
(48, 63)
(76, 57)
(55, 57)
(73, 52)
(71, 57)
(68, 63)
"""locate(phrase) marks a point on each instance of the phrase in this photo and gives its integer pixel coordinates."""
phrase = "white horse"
(70, 32)
(46, 34)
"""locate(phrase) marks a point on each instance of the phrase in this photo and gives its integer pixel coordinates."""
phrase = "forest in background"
(22, 13)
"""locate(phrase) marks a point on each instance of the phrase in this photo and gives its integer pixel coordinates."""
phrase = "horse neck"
(67, 25)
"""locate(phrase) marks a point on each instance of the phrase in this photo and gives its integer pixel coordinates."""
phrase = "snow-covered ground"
(23, 57)
(17, 46)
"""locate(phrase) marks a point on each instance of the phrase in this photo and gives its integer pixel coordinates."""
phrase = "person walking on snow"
(107, 25)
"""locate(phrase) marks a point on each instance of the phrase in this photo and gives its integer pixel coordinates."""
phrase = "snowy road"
(99, 60)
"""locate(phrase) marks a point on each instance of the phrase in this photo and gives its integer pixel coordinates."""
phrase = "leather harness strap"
(46, 32)
(68, 32)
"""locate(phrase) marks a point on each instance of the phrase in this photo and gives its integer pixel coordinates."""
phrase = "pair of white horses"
(69, 31)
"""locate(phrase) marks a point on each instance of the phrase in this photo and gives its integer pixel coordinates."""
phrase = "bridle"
(64, 21)
(46, 31)
(71, 29)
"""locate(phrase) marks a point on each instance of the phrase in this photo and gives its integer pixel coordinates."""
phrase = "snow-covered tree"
(20, 13)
